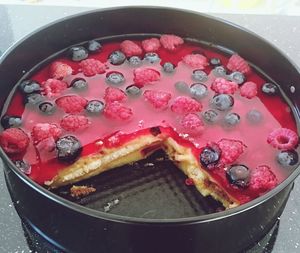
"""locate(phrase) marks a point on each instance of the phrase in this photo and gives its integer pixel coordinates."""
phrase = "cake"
(101, 105)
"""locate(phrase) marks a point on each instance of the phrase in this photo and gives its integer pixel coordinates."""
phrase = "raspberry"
(237, 63)
(14, 140)
(158, 99)
(171, 42)
(184, 105)
(196, 61)
(283, 138)
(74, 122)
(262, 179)
(145, 75)
(59, 70)
(91, 67)
(71, 103)
(129, 48)
(192, 124)
(248, 90)
(151, 45)
(114, 94)
(223, 86)
(117, 111)
(231, 150)
(53, 87)
(42, 131)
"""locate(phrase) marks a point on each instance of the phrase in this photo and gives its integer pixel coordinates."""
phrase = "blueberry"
(198, 90)
(115, 78)
(11, 121)
(182, 87)
(222, 102)
(287, 158)
(220, 71)
(29, 86)
(168, 67)
(133, 90)
(79, 84)
(95, 106)
(117, 58)
(210, 116)
(93, 46)
(254, 116)
(209, 157)
(78, 53)
(152, 57)
(215, 62)
(34, 99)
(232, 119)
(238, 175)
(199, 75)
(135, 61)
(23, 166)
(237, 77)
(68, 148)
(47, 108)
(270, 89)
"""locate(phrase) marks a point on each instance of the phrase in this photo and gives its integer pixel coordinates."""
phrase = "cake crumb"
(81, 191)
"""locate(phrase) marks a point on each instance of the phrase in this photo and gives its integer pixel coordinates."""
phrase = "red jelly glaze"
(105, 133)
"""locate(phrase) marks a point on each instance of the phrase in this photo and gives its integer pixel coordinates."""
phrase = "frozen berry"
(248, 90)
(171, 42)
(94, 106)
(198, 90)
(145, 76)
(270, 89)
(115, 78)
(71, 103)
(129, 48)
(254, 116)
(220, 71)
(192, 124)
(283, 138)
(79, 84)
(91, 67)
(11, 121)
(53, 87)
(33, 99)
(182, 87)
(23, 166)
(222, 102)
(262, 179)
(237, 77)
(223, 86)
(288, 158)
(210, 157)
(152, 57)
(231, 150)
(195, 61)
(93, 46)
(135, 61)
(168, 67)
(42, 131)
(47, 108)
(74, 122)
(29, 86)
(238, 175)
(117, 58)
(133, 90)
(114, 94)
(199, 75)
(215, 62)
(237, 63)
(78, 53)
(59, 70)
(14, 141)
(117, 111)
(210, 116)
(184, 105)
(151, 45)
(231, 119)
(158, 99)
(68, 148)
